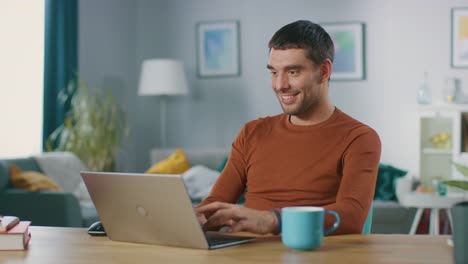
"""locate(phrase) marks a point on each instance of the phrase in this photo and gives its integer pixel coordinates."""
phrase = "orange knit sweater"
(332, 164)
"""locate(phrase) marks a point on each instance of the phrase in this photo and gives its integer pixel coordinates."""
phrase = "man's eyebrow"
(294, 67)
(288, 67)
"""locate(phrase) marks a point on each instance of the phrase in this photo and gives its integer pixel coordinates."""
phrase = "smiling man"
(312, 154)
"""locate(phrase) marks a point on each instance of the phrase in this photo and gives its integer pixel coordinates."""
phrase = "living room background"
(403, 40)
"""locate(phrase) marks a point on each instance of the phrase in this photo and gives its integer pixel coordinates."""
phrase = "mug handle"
(335, 225)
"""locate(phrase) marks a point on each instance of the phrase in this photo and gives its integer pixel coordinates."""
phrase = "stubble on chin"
(289, 109)
(298, 108)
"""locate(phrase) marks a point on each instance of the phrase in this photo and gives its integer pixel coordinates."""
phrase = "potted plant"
(92, 129)
(459, 183)
(460, 215)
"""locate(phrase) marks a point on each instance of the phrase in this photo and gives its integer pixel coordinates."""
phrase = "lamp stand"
(162, 112)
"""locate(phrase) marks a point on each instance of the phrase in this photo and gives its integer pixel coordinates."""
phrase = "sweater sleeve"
(231, 182)
(354, 198)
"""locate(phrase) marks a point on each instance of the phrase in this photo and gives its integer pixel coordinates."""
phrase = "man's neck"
(318, 115)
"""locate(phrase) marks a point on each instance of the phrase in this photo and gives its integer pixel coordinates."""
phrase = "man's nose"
(281, 82)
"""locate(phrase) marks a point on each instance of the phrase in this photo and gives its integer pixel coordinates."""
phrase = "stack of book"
(14, 234)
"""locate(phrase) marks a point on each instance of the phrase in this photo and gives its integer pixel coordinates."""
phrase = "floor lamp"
(162, 77)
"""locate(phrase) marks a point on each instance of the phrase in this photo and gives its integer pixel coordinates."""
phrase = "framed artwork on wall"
(459, 57)
(218, 49)
(348, 39)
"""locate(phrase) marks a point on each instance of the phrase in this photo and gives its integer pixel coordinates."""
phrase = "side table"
(431, 201)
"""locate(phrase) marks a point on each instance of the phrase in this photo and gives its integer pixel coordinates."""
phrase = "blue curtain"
(60, 60)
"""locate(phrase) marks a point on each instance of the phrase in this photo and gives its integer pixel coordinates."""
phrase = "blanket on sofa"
(199, 180)
(64, 168)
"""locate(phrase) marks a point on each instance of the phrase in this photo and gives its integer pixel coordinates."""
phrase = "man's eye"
(293, 72)
(273, 73)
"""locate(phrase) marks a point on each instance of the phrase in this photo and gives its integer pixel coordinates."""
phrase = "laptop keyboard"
(215, 239)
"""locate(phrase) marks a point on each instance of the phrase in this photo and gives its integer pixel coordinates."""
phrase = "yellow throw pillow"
(176, 163)
(31, 180)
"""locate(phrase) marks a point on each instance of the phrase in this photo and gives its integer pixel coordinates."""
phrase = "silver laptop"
(150, 209)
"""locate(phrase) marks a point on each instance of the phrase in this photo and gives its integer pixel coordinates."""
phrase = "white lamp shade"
(162, 77)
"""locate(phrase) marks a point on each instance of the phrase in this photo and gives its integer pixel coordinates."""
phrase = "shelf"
(437, 151)
(444, 107)
(433, 120)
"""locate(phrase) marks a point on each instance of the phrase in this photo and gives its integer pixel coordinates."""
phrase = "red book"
(17, 238)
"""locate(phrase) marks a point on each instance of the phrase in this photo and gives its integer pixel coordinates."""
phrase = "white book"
(7, 222)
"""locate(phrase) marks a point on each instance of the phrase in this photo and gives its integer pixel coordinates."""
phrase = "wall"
(403, 39)
(107, 59)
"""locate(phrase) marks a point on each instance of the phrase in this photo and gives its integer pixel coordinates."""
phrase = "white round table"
(431, 201)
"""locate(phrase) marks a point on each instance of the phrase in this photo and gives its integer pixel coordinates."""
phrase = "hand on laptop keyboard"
(238, 218)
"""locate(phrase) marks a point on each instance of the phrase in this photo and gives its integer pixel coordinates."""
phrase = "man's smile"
(288, 98)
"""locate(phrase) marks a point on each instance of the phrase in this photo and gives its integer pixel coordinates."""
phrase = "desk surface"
(74, 245)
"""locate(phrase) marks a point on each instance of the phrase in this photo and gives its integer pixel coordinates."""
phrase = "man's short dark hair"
(306, 35)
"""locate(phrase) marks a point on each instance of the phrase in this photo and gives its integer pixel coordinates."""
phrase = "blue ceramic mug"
(302, 226)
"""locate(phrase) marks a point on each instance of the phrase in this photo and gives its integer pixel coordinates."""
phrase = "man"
(312, 154)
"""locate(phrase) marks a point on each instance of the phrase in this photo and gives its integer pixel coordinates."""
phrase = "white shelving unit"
(435, 151)
(437, 161)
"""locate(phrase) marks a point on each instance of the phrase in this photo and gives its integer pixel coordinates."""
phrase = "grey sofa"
(389, 217)
(47, 208)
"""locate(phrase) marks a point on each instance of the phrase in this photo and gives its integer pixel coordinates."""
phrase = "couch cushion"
(25, 163)
(199, 181)
(385, 189)
(209, 157)
(176, 163)
(64, 168)
(31, 180)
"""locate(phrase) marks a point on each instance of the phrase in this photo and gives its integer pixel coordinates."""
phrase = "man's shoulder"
(263, 125)
(355, 127)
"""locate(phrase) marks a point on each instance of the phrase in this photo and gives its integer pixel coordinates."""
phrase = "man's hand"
(215, 215)
(201, 218)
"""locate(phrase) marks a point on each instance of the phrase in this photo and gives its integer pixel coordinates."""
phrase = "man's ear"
(326, 70)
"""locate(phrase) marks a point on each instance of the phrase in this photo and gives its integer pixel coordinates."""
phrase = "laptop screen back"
(145, 208)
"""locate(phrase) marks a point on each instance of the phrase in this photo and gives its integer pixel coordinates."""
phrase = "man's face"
(296, 81)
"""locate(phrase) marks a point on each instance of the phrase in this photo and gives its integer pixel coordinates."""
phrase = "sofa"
(69, 207)
(389, 217)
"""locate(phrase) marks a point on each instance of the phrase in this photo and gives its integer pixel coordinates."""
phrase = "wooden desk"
(74, 245)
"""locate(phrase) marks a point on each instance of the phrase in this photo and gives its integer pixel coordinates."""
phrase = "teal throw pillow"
(386, 182)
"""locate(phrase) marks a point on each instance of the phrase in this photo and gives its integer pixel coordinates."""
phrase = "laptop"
(151, 209)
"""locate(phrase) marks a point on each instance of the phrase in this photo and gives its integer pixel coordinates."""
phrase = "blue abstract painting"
(218, 51)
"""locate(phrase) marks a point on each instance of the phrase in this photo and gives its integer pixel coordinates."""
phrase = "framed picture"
(218, 49)
(460, 37)
(348, 38)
